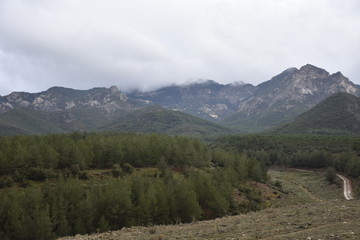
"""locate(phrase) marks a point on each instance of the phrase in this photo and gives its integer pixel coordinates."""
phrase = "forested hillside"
(58, 185)
(306, 151)
(155, 119)
(338, 114)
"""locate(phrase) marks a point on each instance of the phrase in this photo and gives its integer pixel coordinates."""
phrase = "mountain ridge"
(239, 105)
(287, 95)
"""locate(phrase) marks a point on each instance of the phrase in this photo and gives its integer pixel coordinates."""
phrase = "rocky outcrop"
(289, 94)
(207, 99)
(59, 98)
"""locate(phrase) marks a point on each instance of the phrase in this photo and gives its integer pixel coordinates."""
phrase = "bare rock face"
(206, 99)
(289, 94)
(59, 98)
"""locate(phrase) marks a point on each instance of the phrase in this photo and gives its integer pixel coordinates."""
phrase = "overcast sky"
(146, 44)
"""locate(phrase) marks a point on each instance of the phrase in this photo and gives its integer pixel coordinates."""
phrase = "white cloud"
(147, 44)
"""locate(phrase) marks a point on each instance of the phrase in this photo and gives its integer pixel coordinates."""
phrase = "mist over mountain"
(240, 106)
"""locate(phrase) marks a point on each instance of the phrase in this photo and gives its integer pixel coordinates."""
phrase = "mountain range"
(238, 106)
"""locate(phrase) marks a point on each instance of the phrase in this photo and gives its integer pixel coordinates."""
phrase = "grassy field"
(305, 207)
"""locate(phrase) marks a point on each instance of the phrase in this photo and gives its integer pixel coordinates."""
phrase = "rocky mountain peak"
(291, 70)
(313, 72)
(114, 89)
(288, 94)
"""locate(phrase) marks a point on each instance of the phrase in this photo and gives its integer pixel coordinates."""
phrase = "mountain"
(155, 119)
(29, 121)
(339, 113)
(241, 106)
(62, 109)
(206, 99)
(60, 98)
(286, 96)
(25, 121)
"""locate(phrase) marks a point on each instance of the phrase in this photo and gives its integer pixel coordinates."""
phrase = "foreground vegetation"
(66, 184)
(58, 185)
(307, 207)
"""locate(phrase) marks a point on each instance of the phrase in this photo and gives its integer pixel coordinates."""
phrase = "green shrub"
(128, 168)
(36, 174)
(330, 175)
(6, 182)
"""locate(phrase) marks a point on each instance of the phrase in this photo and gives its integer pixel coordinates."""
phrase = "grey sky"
(151, 43)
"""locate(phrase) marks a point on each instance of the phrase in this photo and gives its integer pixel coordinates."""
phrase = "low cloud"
(147, 44)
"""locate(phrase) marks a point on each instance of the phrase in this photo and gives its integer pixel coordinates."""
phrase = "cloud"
(147, 44)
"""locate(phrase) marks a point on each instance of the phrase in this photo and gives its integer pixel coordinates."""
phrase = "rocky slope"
(206, 99)
(62, 110)
(240, 105)
(59, 98)
(287, 95)
(155, 119)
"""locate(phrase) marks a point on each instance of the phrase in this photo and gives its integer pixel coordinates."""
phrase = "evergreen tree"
(330, 175)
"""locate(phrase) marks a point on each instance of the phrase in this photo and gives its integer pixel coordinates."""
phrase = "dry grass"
(307, 208)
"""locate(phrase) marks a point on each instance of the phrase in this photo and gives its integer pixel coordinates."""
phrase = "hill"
(338, 114)
(287, 95)
(26, 121)
(155, 119)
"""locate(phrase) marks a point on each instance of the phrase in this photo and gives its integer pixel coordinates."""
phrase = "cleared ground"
(306, 207)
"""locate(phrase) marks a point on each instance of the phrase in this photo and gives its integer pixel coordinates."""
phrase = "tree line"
(304, 151)
(150, 179)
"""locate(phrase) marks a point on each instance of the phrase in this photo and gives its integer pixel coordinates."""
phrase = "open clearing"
(307, 208)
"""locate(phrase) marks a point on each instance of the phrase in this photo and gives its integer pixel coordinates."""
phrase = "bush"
(36, 174)
(83, 176)
(117, 173)
(6, 182)
(128, 168)
(330, 175)
(25, 183)
(278, 184)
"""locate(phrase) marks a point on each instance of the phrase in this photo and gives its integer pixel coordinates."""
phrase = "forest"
(299, 151)
(65, 184)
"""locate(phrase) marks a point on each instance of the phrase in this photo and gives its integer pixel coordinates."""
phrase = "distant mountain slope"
(155, 119)
(339, 113)
(287, 95)
(28, 121)
(207, 99)
(60, 98)
(241, 106)
(62, 110)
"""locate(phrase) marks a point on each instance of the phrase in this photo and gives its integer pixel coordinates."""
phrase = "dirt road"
(348, 194)
(347, 187)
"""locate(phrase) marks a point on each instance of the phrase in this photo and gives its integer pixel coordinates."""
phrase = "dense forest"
(65, 184)
(301, 151)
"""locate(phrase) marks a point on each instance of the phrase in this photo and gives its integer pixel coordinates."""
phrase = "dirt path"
(348, 193)
(347, 187)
